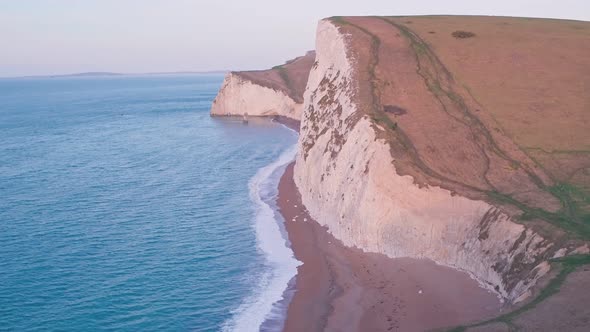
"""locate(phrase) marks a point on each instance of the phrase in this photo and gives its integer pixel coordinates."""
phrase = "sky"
(46, 37)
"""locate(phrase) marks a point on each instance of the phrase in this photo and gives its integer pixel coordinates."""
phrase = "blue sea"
(125, 207)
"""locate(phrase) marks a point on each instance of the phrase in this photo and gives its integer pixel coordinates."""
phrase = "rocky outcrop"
(348, 176)
(274, 92)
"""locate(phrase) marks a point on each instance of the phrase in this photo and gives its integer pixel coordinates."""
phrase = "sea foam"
(281, 265)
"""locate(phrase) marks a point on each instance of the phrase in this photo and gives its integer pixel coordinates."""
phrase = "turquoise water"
(124, 206)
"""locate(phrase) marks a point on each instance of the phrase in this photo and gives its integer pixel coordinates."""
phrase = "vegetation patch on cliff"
(290, 78)
(462, 34)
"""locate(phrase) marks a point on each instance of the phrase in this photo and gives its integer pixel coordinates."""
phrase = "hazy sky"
(41, 37)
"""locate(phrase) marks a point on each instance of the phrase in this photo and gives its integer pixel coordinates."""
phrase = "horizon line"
(107, 73)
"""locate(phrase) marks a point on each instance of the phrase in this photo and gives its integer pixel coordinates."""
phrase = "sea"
(125, 207)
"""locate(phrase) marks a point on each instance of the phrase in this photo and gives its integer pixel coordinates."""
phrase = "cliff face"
(441, 155)
(277, 91)
(375, 167)
(239, 96)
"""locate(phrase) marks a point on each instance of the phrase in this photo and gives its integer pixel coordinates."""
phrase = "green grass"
(437, 79)
(571, 217)
(457, 329)
(562, 218)
(575, 199)
(285, 76)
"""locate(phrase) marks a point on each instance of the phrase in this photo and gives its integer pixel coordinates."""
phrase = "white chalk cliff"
(348, 182)
(239, 96)
(273, 92)
(347, 177)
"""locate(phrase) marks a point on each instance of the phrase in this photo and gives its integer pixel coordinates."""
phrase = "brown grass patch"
(462, 34)
(395, 110)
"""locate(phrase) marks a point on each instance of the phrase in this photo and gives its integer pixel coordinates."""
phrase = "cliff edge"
(458, 139)
(272, 92)
(463, 140)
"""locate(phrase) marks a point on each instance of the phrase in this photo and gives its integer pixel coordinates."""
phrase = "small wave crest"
(281, 265)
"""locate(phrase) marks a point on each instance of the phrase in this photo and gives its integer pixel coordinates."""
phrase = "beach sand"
(344, 289)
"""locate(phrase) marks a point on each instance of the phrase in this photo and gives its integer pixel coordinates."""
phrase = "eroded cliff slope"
(276, 91)
(400, 155)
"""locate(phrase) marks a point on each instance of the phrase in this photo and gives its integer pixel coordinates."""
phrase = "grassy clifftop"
(290, 77)
(531, 76)
(500, 112)
(491, 108)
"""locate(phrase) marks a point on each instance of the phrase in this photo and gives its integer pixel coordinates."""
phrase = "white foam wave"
(283, 266)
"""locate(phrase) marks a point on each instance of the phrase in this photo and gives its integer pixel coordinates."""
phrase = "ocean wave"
(281, 265)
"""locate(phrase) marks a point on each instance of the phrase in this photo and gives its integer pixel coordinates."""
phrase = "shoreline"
(287, 122)
(265, 307)
(342, 288)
